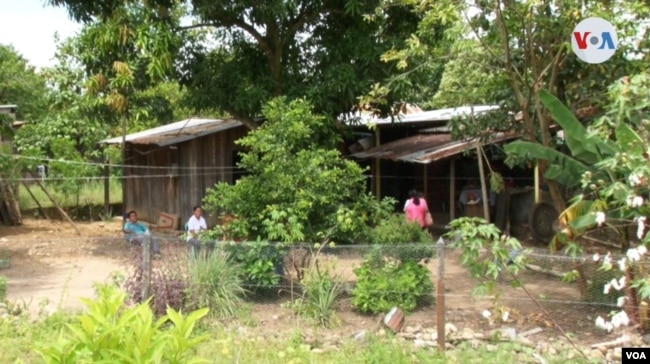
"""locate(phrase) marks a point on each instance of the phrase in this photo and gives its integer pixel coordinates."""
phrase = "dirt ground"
(51, 267)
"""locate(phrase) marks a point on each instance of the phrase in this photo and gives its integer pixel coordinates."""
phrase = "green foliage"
(21, 85)
(3, 288)
(260, 262)
(585, 148)
(383, 284)
(321, 287)
(216, 283)
(401, 239)
(299, 188)
(111, 332)
(484, 251)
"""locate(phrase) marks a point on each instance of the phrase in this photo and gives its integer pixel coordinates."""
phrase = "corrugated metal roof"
(427, 148)
(177, 132)
(428, 116)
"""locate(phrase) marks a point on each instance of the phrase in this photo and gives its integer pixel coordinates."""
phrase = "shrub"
(260, 261)
(216, 283)
(401, 239)
(110, 332)
(168, 284)
(383, 284)
(321, 288)
(3, 287)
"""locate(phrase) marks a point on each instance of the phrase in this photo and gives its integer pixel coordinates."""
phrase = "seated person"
(195, 225)
(137, 232)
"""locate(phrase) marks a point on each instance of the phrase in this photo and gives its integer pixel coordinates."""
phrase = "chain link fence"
(279, 277)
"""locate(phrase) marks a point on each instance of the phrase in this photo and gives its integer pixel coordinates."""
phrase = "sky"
(29, 25)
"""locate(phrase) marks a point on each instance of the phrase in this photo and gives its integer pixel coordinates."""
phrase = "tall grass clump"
(216, 282)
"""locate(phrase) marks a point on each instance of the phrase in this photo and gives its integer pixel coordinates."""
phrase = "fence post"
(146, 267)
(440, 294)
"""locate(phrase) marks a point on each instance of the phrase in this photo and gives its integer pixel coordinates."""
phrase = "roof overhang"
(427, 148)
(429, 117)
(177, 132)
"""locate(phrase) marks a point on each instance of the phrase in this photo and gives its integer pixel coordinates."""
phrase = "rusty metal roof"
(177, 132)
(427, 148)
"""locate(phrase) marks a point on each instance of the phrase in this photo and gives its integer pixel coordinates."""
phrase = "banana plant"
(586, 149)
(590, 159)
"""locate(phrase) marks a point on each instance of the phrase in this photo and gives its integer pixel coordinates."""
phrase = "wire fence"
(274, 276)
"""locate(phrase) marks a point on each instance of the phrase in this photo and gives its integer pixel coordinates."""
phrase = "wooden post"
(486, 199)
(56, 205)
(537, 197)
(146, 267)
(10, 204)
(452, 189)
(440, 295)
(426, 180)
(107, 189)
(40, 208)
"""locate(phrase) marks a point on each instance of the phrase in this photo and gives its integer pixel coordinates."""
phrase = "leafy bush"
(320, 288)
(383, 284)
(3, 287)
(260, 261)
(401, 239)
(216, 283)
(168, 286)
(299, 188)
(110, 332)
(484, 251)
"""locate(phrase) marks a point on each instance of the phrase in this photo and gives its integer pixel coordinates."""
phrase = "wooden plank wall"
(211, 161)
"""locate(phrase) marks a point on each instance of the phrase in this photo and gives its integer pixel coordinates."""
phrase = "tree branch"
(195, 26)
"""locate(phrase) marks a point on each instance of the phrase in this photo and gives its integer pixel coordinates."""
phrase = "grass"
(19, 335)
(91, 193)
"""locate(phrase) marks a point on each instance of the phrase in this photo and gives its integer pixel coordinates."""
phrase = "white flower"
(600, 218)
(602, 324)
(596, 257)
(505, 316)
(634, 179)
(487, 314)
(607, 288)
(641, 249)
(622, 264)
(618, 285)
(633, 255)
(608, 259)
(640, 227)
(620, 319)
(621, 301)
(634, 201)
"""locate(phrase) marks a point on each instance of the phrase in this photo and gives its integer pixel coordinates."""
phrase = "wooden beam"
(486, 200)
(56, 205)
(40, 208)
(452, 189)
(377, 166)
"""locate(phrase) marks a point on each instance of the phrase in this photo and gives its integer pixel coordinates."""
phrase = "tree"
(299, 188)
(527, 44)
(20, 85)
(247, 52)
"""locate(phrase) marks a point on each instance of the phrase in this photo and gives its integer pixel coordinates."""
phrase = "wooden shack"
(168, 169)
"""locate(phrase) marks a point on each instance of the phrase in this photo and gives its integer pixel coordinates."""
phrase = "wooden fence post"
(440, 294)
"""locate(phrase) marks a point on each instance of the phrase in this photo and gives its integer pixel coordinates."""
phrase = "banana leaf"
(587, 149)
(563, 168)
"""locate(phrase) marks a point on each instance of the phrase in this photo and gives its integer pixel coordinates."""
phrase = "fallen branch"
(614, 343)
(539, 269)
(530, 332)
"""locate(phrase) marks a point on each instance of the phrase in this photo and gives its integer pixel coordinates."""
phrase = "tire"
(542, 221)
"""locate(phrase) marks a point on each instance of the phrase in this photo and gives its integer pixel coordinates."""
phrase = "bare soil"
(51, 267)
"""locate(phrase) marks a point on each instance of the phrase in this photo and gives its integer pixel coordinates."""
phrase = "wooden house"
(167, 169)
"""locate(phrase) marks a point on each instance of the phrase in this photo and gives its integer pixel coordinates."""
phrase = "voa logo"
(594, 40)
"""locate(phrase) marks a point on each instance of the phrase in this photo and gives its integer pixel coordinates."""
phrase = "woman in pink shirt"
(416, 209)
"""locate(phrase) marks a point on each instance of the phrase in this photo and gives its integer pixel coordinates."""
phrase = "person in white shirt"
(195, 225)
